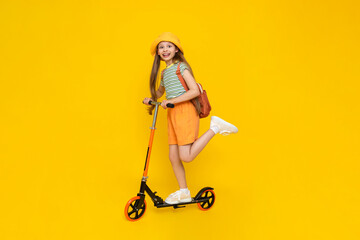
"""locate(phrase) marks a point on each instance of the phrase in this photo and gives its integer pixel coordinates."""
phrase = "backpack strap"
(178, 73)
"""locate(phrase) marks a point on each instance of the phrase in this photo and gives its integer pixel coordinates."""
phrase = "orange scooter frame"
(136, 206)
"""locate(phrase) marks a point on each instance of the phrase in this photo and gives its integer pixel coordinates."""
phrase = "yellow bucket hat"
(165, 37)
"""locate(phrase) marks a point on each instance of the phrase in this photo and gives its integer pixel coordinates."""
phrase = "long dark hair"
(179, 56)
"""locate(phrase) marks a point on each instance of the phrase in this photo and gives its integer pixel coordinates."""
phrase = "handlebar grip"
(170, 105)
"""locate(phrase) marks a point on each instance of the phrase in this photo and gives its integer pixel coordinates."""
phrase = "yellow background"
(74, 132)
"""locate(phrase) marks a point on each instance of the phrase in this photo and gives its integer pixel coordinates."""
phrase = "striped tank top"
(171, 82)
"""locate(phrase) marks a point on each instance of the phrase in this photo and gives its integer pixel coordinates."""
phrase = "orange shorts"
(183, 123)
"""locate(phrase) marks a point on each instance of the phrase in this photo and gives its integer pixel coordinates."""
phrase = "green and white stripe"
(171, 82)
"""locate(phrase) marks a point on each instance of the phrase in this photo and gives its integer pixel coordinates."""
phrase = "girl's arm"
(160, 92)
(192, 93)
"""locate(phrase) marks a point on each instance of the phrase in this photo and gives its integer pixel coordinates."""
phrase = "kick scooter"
(136, 206)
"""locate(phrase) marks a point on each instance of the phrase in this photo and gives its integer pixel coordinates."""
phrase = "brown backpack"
(201, 102)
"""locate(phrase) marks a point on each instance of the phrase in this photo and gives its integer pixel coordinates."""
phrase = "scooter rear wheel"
(206, 205)
(131, 213)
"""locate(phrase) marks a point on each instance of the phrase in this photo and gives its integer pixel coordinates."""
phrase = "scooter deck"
(179, 205)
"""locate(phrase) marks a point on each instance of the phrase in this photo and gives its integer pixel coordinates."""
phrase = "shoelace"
(175, 194)
(225, 132)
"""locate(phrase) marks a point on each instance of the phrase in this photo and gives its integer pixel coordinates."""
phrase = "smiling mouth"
(166, 55)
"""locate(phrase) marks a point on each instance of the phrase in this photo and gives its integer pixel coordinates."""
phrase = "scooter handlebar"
(169, 105)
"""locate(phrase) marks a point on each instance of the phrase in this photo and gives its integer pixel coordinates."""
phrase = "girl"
(183, 120)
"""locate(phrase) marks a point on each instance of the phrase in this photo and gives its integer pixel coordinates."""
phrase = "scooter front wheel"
(131, 212)
(206, 205)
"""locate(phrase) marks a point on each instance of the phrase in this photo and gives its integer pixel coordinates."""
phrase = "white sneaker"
(225, 128)
(178, 197)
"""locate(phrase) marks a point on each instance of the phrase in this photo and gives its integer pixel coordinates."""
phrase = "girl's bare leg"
(177, 165)
(188, 152)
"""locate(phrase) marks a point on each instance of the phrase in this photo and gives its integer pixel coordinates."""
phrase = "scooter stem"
(150, 142)
(157, 104)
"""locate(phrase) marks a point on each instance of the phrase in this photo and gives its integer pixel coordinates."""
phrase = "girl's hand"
(146, 101)
(163, 103)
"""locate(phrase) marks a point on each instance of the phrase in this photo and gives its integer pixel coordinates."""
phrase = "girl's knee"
(186, 158)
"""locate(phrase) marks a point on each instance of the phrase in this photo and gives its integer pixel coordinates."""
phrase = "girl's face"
(167, 50)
